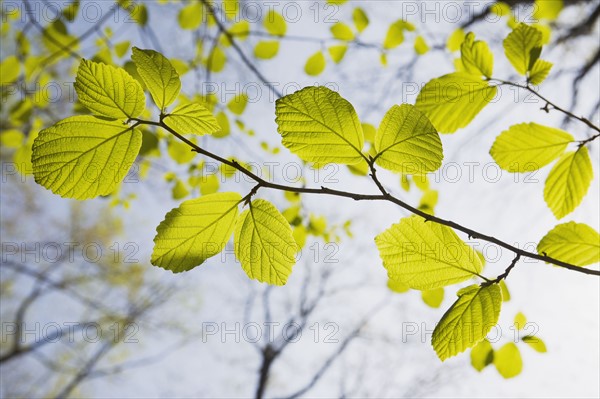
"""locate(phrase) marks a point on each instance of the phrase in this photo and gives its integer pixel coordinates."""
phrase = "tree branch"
(369, 197)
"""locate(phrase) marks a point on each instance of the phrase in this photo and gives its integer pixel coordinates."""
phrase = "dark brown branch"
(370, 197)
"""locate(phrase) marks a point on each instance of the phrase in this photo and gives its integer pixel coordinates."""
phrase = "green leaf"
(468, 320)
(455, 40)
(266, 49)
(522, 47)
(539, 72)
(318, 125)
(575, 243)
(568, 182)
(547, 9)
(505, 291)
(337, 52)
(216, 60)
(192, 118)
(406, 142)
(195, 231)
(342, 31)
(452, 101)
(179, 151)
(237, 104)
(536, 343)
(83, 157)
(397, 287)
(190, 17)
(529, 146)
(508, 360)
(158, 74)
(109, 91)
(426, 256)
(274, 23)
(361, 21)
(421, 46)
(395, 35)
(433, 298)
(520, 321)
(476, 56)
(264, 243)
(315, 64)
(11, 69)
(482, 355)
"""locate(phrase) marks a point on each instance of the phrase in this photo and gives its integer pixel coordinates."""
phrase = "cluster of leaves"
(87, 156)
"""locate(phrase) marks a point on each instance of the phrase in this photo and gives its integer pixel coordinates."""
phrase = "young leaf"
(361, 21)
(482, 355)
(192, 118)
(508, 360)
(455, 40)
(158, 74)
(395, 35)
(476, 56)
(426, 256)
(575, 243)
(315, 64)
(468, 320)
(275, 24)
(539, 72)
(266, 49)
(523, 47)
(191, 16)
(318, 125)
(406, 142)
(337, 52)
(264, 243)
(195, 231)
(536, 343)
(520, 321)
(109, 91)
(529, 146)
(568, 182)
(237, 104)
(421, 46)
(342, 31)
(452, 101)
(83, 157)
(433, 298)
(397, 286)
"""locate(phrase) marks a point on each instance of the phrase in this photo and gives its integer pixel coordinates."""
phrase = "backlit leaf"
(433, 298)
(315, 64)
(482, 355)
(158, 74)
(575, 243)
(195, 231)
(109, 91)
(529, 146)
(192, 118)
(264, 243)
(361, 21)
(536, 343)
(476, 56)
(426, 256)
(274, 23)
(342, 31)
(318, 125)
(452, 101)
(266, 49)
(568, 182)
(83, 157)
(406, 142)
(468, 321)
(522, 47)
(508, 360)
